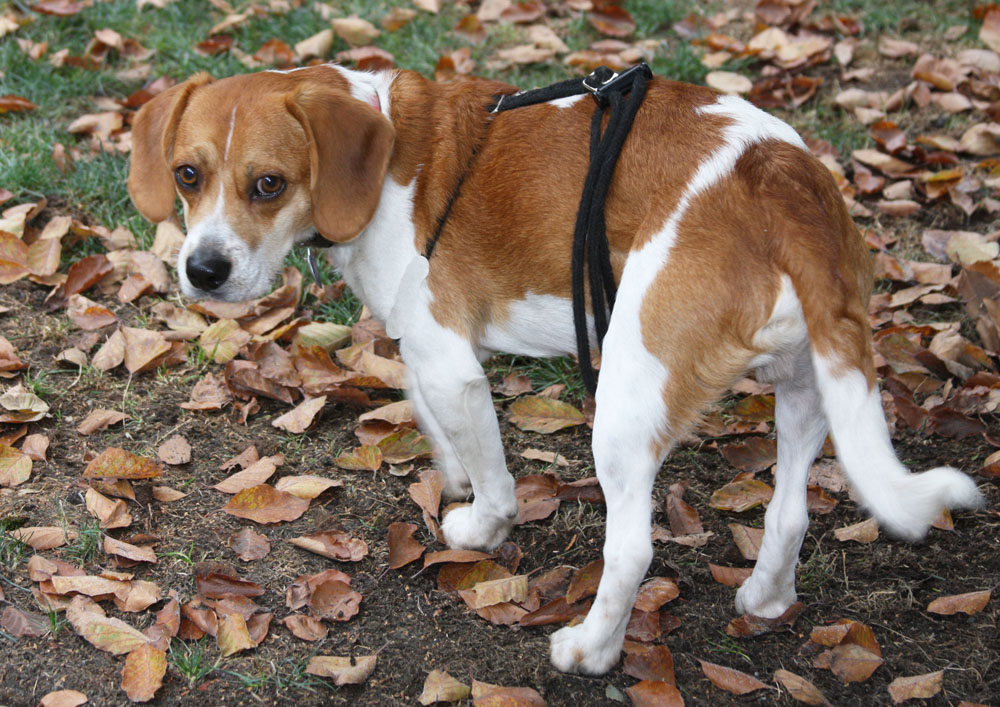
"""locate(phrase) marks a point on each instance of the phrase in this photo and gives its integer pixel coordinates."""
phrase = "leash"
(590, 240)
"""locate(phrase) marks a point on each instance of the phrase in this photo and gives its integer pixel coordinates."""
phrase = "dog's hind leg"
(454, 403)
(801, 429)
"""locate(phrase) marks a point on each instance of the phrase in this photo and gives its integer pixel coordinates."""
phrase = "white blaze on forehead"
(229, 137)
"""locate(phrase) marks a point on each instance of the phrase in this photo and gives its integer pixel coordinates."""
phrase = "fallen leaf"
(254, 475)
(970, 603)
(336, 545)
(128, 551)
(307, 628)
(89, 315)
(800, 689)
(442, 687)
(748, 540)
(352, 670)
(265, 504)
(298, 419)
(249, 545)
(730, 576)
(173, 451)
(63, 698)
(741, 495)
(916, 687)
(142, 674)
(143, 348)
(426, 493)
(364, 458)
(403, 446)
(648, 662)
(403, 549)
(15, 466)
(734, 681)
(654, 693)
(754, 454)
(21, 623)
(539, 414)
(864, 532)
(307, 486)
(108, 634)
(111, 513)
(655, 593)
(852, 663)
(334, 600)
(100, 419)
(233, 635)
(43, 537)
(728, 82)
(116, 463)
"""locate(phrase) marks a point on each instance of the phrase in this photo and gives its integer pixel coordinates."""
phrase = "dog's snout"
(207, 270)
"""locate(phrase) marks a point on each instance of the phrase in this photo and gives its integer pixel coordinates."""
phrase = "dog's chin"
(226, 293)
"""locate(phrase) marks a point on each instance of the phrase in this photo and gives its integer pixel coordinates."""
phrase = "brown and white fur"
(732, 246)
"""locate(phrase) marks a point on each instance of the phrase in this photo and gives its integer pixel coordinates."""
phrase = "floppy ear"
(150, 181)
(349, 148)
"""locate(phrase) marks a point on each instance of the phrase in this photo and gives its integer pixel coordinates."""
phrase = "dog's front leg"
(453, 403)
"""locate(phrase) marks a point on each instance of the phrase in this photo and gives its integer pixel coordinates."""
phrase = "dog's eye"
(269, 186)
(187, 176)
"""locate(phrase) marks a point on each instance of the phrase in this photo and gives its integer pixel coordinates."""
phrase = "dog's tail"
(904, 503)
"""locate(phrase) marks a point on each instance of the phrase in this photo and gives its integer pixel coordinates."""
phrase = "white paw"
(572, 650)
(464, 529)
(768, 601)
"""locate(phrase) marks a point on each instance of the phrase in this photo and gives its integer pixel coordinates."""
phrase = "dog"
(731, 245)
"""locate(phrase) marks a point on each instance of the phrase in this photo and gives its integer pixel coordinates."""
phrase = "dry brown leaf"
(128, 551)
(143, 673)
(15, 466)
(916, 687)
(116, 463)
(852, 663)
(143, 348)
(800, 689)
(43, 537)
(175, 450)
(585, 581)
(729, 576)
(354, 30)
(298, 419)
(63, 698)
(364, 458)
(654, 693)
(655, 593)
(864, 532)
(539, 414)
(734, 681)
(249, 545)
(100, 419)
(233, 635)
(108, 634)
(442, 687)
(426, 493)
(403, 549)
(255, 474)
(741, 495)
(265, 504)
(352, 670)
(111, 513)
(88, 315)
(970, 603)
(336, 545)
(748, 540)
(307, 628)
(20, 623)
(307, 486)
(335, 601)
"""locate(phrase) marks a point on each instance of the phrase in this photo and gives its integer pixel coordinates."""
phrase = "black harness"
(590, 242)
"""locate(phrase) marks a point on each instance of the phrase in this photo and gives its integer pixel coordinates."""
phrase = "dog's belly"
(538, 325)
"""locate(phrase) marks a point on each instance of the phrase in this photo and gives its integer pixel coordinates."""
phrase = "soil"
(412, 625)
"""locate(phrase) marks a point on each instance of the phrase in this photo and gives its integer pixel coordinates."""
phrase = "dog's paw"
(573, 650)
(464, 529)
(456, 489)
(765, 600)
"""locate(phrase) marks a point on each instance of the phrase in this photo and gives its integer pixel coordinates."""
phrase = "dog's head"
(260, 162)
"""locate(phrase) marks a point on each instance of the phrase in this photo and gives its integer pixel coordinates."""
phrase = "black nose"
(207, 270)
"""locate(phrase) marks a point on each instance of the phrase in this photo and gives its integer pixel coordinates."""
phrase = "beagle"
(730, 243)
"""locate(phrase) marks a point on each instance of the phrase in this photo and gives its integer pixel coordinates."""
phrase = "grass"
(190, 660)
(88, 543)
(12, 551)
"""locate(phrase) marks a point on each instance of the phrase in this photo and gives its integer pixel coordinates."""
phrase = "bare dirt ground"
(412, 625)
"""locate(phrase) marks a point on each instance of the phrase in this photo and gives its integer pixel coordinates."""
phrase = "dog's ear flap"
(150, 180)
(349, 148)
